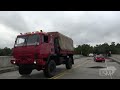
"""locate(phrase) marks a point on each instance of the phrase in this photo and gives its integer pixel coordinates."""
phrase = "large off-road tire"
(24, 71)
(69, 63)
(50, 69)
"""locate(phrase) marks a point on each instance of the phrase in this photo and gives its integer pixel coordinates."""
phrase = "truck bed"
(66, 43)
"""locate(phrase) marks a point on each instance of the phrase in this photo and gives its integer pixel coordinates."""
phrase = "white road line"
(67, 71)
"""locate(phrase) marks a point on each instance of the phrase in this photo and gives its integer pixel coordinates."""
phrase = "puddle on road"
(97, 67)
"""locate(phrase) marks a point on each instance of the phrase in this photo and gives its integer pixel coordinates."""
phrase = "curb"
(4, 70)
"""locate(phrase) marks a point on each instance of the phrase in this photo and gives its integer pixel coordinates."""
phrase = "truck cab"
(30, 46)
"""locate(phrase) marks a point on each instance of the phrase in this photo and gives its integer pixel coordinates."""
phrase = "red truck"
(42, 51)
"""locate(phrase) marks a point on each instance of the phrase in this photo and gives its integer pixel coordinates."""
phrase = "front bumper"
(28, 61)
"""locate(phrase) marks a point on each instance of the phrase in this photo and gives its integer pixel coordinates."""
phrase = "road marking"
(59, 76)
(65, 71)
(107, 66)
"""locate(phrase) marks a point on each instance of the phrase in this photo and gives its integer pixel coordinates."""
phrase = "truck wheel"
(72, 60)
(24, 71)
(50, 68)
(69, 63)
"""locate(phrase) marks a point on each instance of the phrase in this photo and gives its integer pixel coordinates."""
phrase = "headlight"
(34, 62)
(13, 62)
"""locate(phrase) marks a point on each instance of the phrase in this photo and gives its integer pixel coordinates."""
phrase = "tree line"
(105, 48)
(5, 51)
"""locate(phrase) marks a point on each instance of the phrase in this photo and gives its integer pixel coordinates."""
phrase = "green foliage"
(5, 51)
(85, 49)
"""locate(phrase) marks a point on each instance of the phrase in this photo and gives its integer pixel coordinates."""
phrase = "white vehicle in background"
(91, 55)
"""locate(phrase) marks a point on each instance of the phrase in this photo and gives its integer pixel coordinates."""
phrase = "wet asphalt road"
(84, 68)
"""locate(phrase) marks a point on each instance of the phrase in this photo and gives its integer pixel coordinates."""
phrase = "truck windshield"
(27, 40)
(20, 41)
(33, 40)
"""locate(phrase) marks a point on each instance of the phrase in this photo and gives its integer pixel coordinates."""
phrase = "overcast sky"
(84, 27)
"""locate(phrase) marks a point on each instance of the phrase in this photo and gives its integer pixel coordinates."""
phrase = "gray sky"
(84, 27)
